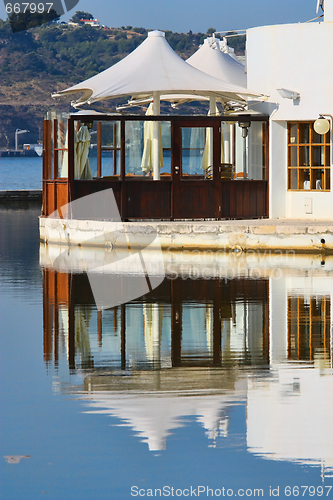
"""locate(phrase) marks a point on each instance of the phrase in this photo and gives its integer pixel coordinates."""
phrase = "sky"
(195, 15)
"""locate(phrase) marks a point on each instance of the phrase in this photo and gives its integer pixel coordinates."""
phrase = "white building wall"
(278, 170)
(296, 57)
(328, 10)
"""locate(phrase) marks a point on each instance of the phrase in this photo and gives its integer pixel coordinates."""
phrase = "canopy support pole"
(156, 323)
(212, 112)
(156, 137)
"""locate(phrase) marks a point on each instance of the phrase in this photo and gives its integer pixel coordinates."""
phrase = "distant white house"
(291, 64)
(90, 22)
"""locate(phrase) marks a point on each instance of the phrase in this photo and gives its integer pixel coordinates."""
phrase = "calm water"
(20, 173)
(214, 383)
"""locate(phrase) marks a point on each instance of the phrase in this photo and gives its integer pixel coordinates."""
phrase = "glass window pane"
(292, 183)
(85, 136)
(304, 179)
(110, 163)
(293, 133)
(317, 138)
(166, 169)
(197, 151)
(166, 142)
(166, 134)
(108, 131)
(318, 156)
(110, 134)
(304, 155)
(255, 149)
(317, 178)
(327, 179)
(62, 133)
(327, 161)
(62, 143)
(134, 147)
(227, 141)
(292, 156)
(304, 133)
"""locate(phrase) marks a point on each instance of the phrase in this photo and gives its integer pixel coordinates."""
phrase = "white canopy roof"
(211, 60)
(153, 67)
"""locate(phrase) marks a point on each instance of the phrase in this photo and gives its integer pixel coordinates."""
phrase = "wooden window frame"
(101, 148)
(298, 169)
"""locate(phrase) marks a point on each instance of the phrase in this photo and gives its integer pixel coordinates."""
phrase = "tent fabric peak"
(153, 67)
(210, 59)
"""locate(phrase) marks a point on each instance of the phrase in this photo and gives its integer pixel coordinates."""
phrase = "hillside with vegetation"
(54, 56)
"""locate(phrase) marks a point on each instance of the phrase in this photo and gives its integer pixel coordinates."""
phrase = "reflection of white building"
(301, 316)
(291, 64)
(290, 415)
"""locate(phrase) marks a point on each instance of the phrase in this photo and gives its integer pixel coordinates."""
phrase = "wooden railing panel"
(50, 203)
(82, 188)
(195, 199)
(243, 199)
(148, 199)
(61, 195)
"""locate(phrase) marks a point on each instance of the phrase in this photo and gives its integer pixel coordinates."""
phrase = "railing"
(209, 171)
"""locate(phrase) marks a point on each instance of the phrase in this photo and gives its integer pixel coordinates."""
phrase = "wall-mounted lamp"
(322, 125)
(289, 94)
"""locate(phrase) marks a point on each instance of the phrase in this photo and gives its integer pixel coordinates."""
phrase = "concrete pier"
(238, 236)
(24, 195)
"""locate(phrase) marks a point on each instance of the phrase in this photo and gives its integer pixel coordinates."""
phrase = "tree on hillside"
(80, 14)
(24, 21)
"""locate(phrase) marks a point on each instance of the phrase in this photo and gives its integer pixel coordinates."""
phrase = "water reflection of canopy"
(151, 68)
(153, 404)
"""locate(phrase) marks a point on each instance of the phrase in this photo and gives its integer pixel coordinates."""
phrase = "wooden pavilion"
(234, 186)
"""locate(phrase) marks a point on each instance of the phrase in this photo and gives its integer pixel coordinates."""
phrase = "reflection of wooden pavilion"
(62, 291)
(307, 321)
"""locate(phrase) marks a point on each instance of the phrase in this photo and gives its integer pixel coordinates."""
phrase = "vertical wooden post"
(55, 165)
(99, 328)
(71, 160)
(99, 149)
(265, 326)
(47, 158)
(115, 319)
(56, 321)
(123, 335)
(55, 148)
(176, 170)
(114, 155)
(47, 317)
(123, 208)
(71, 325)
(234, 147)
(216, 168)
(217, 301)
(47, 155)
(176, 325)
